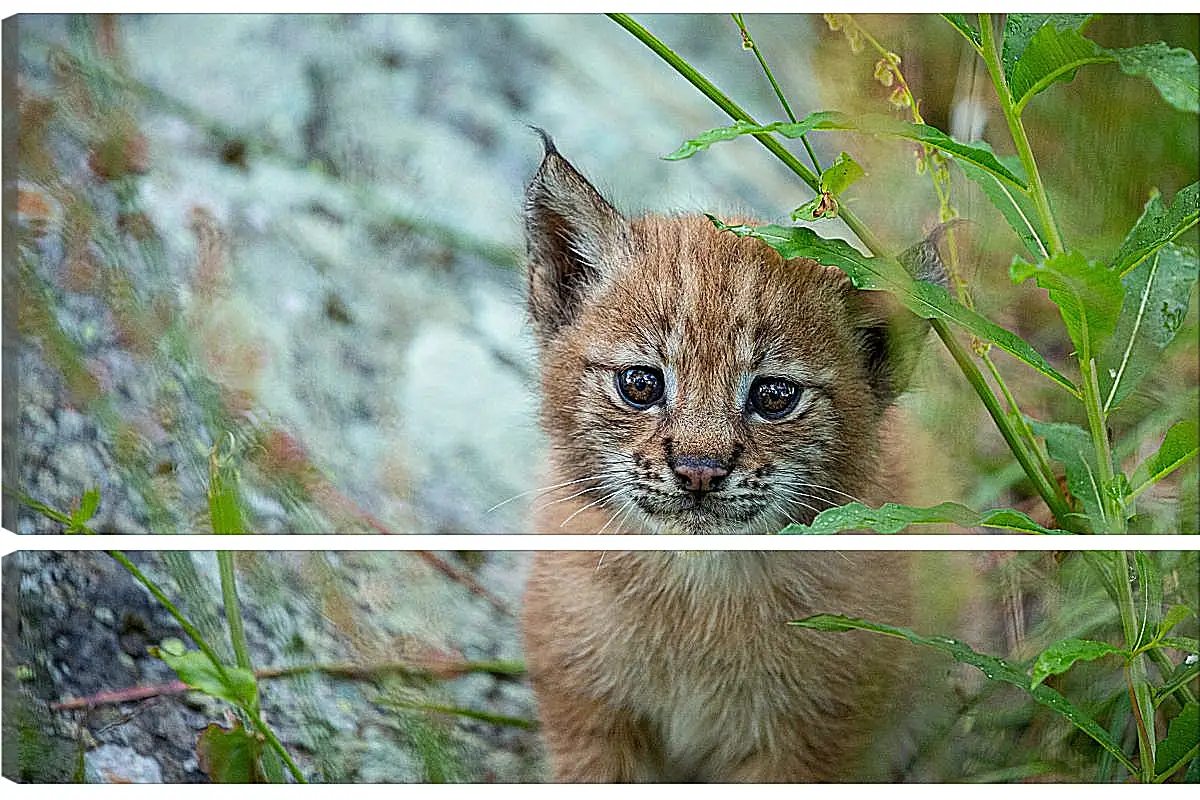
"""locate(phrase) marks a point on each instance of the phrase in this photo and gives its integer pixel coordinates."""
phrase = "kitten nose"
(700, 474)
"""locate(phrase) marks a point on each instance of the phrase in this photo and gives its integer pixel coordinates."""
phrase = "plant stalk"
(1135, 670)
(1047, 489)
(1037, 190)
(233, 610)
(1112, 507)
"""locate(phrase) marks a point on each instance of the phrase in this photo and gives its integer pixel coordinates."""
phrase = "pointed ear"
(571, 234)
(892, 337)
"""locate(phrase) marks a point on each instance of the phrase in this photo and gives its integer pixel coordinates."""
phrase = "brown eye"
(641, 387)
(773, 398)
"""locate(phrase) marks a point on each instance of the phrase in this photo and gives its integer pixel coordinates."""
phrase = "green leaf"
(237, 686)
(1088, 295)
(1149, 597)
(1179, 446)
(1016, 207)
(893, 518)
(1157, 295)
(1158, 225)
(819, 120)
(1072, 445)
(993, 668)
(1019, 30)
(819, 207)
(924, 299)
(959, 21)
(87, 506)
(872, 123)
(1172, 70)
(1182, 735)
(1062, 655)
(1183, 674)
(1175, 615)
(839, 175)
(1185, 643)
(230, 755)
(1052, 56)
(224, 500)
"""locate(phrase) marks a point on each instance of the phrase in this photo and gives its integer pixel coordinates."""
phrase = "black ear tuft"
(572, 234)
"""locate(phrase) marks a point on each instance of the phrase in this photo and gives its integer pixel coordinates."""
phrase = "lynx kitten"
(697, 383)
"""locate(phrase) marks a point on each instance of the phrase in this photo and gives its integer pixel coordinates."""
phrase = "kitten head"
(697, 382)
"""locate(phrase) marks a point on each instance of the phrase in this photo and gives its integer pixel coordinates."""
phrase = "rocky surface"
(78, 624)
(365, 176)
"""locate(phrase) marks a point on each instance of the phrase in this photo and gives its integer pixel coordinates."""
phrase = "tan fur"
(680, 666)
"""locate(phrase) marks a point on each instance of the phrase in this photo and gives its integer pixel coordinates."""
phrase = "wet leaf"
(1158, 225)
(1157, 295)
(1179, 446)
(1052, 56)
(874, 124)
(894, 518)
(1172, 70)
(1020, 29)
(1062, 655)
(1072, 445)
(1182, 735)
(923, 298)
(1088, 295)
(994, 668)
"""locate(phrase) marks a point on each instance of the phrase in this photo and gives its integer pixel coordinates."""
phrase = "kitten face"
(694, 382)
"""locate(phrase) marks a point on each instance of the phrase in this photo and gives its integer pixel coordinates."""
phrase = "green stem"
(1022, 426)
(233, 610)
(748, 41)
(1045, 487)
(1048, 490)
(722, 101)
(1112, 508)
(1135, 669)
(162, 598)
(1037, 190)
(469, 713)
(276, 745)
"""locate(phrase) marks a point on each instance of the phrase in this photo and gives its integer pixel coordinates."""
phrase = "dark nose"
(700, 474)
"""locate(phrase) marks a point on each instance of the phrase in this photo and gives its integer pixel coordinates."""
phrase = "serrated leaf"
(1088, 295)
(1072, 445)
(1175, 615)
(1158, 225)
(1019, 30)
(923, 298)
(1172, 70)
(1180, 445)
(1052, 55)
(1062, 655)
(874, 124)
(230, 755)
(839, 175)
(993, 668)
(959, 21)
(1015, 206)
(1158, 292)
(893, 518)
(1182, 734)
(237, 685)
